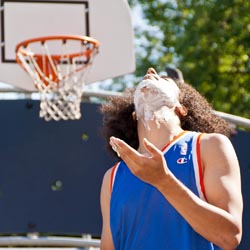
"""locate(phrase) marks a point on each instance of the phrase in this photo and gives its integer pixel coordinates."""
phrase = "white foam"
(156, 100)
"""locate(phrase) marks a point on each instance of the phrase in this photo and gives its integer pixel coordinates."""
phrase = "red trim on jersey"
(200, 166)
(175, 138)
(112, 176)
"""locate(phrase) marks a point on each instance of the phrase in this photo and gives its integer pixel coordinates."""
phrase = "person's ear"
(134, 116)
(181, 110)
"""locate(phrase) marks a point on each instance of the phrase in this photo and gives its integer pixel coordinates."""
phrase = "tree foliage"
(208, 40)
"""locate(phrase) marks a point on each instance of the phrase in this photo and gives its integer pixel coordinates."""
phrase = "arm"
(106, 238)
(223, 184)
(219, 219)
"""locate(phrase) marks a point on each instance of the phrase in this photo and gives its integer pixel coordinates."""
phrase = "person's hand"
(150, 168)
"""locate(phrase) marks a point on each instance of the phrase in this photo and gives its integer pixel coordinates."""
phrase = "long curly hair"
(201, 116)
(118, 119)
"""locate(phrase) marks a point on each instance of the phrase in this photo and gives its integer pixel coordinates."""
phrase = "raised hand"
(151, 168)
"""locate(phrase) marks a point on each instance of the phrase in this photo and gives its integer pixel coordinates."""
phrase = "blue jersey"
(140, 216)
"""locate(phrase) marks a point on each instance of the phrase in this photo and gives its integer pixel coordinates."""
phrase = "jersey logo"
(182, 160)
(184, 148)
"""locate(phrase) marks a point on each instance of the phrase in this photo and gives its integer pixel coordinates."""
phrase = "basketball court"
(52, 153)
(56, 48)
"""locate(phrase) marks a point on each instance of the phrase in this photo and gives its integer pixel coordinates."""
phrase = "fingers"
(114, 145)
(149, 167)
(122, 149)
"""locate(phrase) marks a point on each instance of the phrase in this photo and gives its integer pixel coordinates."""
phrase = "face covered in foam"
(156, 98)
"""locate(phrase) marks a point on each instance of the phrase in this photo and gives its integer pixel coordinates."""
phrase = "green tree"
(208, 40)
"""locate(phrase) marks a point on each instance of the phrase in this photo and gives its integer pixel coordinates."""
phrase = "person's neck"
(158, 134)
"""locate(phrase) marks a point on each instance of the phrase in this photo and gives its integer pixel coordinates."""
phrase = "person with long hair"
(177, 182)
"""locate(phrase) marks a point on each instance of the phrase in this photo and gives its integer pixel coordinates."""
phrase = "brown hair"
(118, 120)
(201, 116)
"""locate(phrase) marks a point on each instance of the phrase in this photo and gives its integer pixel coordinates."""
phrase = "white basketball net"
(59, 78)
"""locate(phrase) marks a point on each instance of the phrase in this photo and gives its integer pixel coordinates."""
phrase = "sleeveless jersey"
(140, 216)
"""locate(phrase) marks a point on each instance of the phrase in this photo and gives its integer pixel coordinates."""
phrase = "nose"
(151, 71)
(151, 74)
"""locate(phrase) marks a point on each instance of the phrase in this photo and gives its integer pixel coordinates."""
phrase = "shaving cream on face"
(156, 99)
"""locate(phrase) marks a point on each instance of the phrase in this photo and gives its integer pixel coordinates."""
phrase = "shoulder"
(215, 141)
(108, 173)
(105, 189)
(214, 138)
(217, 150)
(108, 178)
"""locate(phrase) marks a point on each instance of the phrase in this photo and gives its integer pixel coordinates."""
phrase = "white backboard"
(108, 21)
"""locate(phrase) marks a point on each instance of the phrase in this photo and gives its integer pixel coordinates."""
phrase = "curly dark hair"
(118, 120)
(201, 116)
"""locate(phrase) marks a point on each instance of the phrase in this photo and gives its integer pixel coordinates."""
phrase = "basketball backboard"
(108, 21)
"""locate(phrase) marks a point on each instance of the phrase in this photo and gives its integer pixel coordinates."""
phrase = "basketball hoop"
(58, 65)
